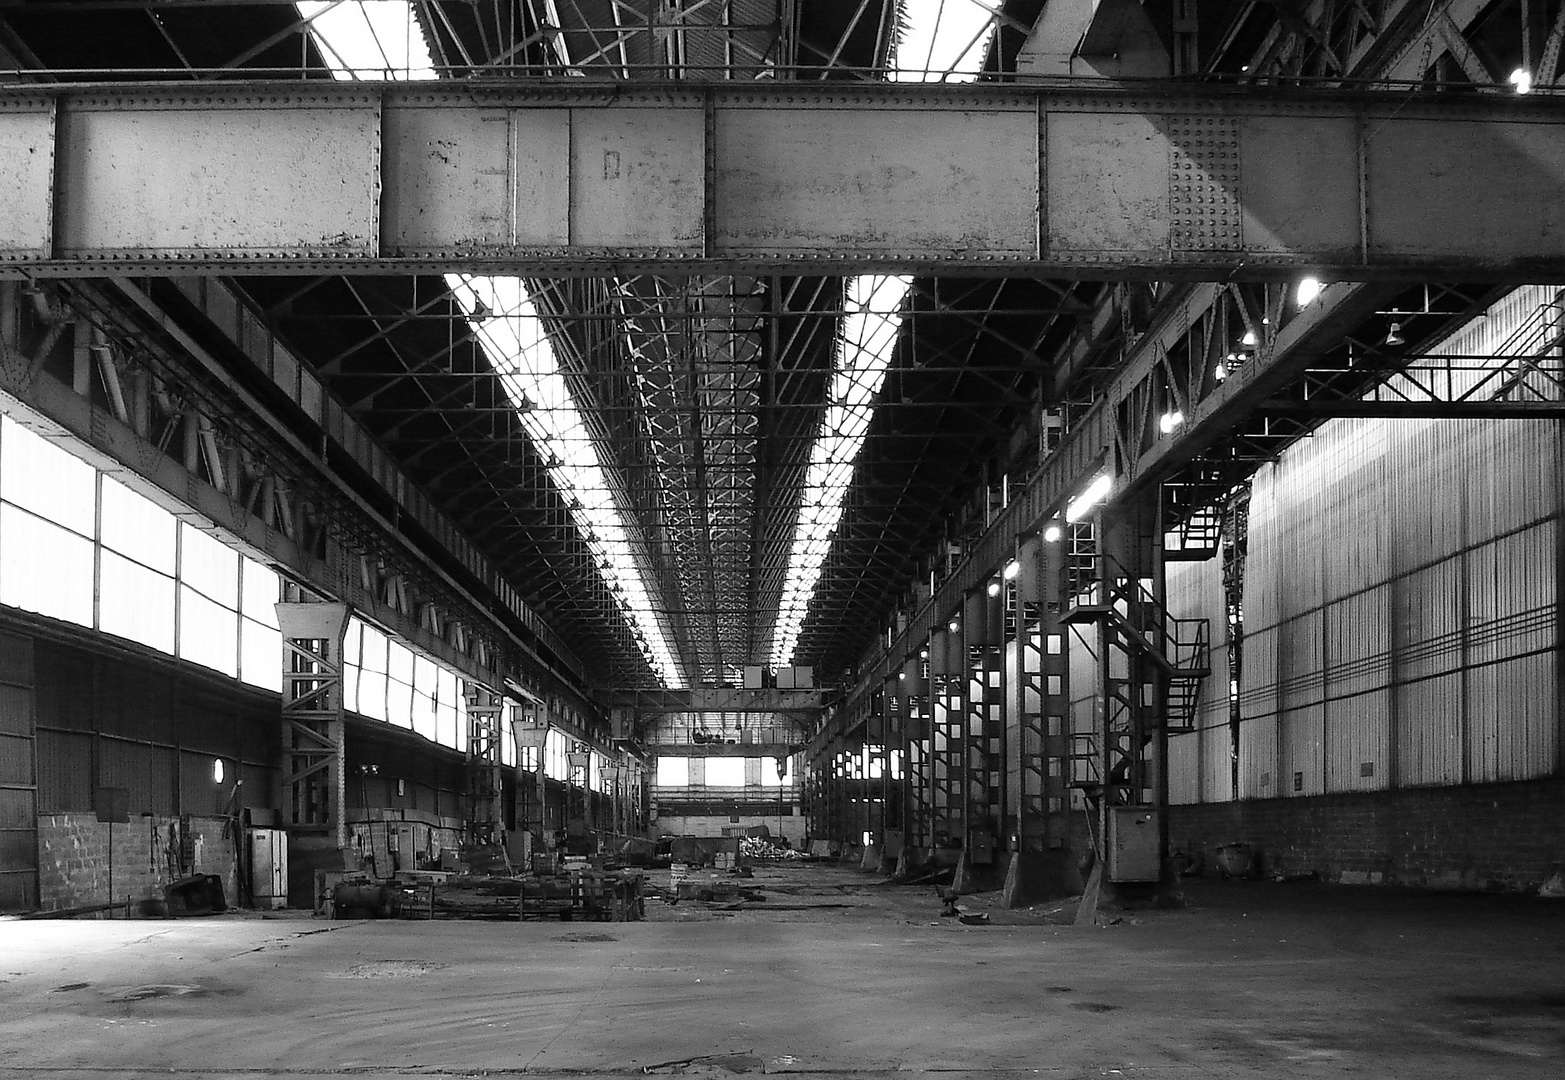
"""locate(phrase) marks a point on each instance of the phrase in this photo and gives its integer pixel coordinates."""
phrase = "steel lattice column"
(918, 768)
(1132, 745)
(946, 676)
(1038, 741)
(312, 789)
(485, 827)
(894, 775)
(983, 736)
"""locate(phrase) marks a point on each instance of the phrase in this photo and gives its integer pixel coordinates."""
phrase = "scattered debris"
(388, 969)
(68, 987)
(977, 918)
(762, 847)
(1554, 888)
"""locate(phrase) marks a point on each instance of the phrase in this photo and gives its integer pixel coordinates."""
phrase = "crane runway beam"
(1156, 182)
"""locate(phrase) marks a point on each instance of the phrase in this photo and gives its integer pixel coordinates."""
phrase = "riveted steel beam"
(1163, 182)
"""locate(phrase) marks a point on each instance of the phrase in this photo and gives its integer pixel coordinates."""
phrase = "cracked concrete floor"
(1250, 980)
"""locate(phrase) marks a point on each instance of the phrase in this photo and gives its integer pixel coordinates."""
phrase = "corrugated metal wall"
(18, 779)
(1400, 601)
(143, 725)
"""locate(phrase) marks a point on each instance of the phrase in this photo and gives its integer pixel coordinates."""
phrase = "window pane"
(38, 475)
(262, 590)
(260, 655)
(419, 716)
(725, 772)
(137, 528)
(554, 766)
(507, 745)
(352, 642)
(372, 695)
(399, 663)
(207, 565)
(208, 634)
(43, 568)
(374, 657)
(445, 725)
(446, 692)
(399, 703)
(136, 603)
(425, 678)
(673, 771)
(350, 687)
(769, 774)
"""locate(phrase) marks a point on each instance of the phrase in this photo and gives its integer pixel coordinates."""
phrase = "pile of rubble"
(761, 847)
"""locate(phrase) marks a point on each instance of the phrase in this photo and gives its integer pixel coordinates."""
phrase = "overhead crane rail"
(1156, 181)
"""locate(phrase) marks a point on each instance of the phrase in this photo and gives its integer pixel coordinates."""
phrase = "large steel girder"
(542, 178)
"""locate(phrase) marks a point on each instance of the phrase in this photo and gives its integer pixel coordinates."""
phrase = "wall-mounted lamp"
(1082, 504)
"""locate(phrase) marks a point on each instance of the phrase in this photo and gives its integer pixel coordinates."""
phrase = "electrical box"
(785, 678)
(1134, 846)
(269, 868)
(804, 677)
(754, 674)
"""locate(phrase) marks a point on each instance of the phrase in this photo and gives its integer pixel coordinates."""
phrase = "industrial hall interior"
(1014, 538)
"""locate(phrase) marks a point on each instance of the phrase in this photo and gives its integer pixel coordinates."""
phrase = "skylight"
(944, 40)
(380, 39)
(869, 336)
(369, 39)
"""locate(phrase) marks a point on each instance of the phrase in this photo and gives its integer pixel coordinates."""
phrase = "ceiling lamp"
(1170, 420)
(1249, 339)
(1521, 79)
(1051, 535)
(1012, 568)
(1308, 292)
(994, 587)
(1394, 335)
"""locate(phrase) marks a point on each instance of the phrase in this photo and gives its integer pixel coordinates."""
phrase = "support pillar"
(917, 766)
(946, 676)
(983, 734)
(1043, 862)
(485, 826)
(312, 788)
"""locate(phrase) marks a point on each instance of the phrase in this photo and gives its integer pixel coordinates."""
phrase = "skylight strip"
(872, 318)
(376, 40)
(944, 41)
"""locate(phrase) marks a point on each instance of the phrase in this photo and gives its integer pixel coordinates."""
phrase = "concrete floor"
(1251, 980)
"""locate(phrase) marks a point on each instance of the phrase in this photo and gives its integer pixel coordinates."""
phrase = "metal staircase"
(1141, 646)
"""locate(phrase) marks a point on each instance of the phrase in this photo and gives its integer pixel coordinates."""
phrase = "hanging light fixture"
(1394, 335)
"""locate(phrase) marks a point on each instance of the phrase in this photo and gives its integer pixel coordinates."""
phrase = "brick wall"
(1485, 836)
(74, 858)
